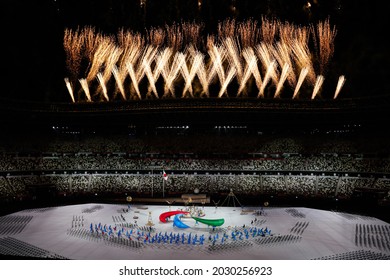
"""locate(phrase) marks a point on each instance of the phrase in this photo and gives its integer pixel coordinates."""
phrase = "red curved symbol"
(163, 216)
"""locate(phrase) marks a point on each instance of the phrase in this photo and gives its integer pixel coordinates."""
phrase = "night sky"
(34, 65)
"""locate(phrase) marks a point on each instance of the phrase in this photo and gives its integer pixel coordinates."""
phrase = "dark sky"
(33, 32)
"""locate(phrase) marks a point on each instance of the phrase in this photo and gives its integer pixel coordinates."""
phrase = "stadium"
(249, 124)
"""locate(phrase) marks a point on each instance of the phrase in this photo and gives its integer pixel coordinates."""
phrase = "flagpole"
(163, 186)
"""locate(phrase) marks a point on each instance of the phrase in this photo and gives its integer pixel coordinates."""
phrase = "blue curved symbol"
(178, 223)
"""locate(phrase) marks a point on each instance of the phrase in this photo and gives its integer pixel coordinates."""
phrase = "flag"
(165, 175)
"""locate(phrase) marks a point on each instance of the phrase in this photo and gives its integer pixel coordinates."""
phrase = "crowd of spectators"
(123, 164)
(309, 186)
(219, 140)
(274, 162)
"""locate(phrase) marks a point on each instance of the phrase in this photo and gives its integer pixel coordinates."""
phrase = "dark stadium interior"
(323, 153)
(348, 152)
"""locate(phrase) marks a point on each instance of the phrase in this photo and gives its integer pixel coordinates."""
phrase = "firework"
(226, 81)
(203, 76)
(317, 86)
(301, 78)
(227, 29)
(282, 53)
(283, 77)
(146, 60)
(265, 53)
(84, 85)
(170, 74)
(156, 37)
(233, 56)
(302, 59)
(324, 40)
(340, 84)
(270, 72)
(74, 45)
(248, 33)
(119, 81)
(103, 85)
(192, 34)
(251, 69)
(268, 30)
(134, 79)
(99, 58)
(217, 56)
(147, 70)
(239, 54)
(110, 64)
(70, 89)
(189, 74)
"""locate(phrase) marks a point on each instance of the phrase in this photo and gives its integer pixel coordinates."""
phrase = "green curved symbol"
(214, 223)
